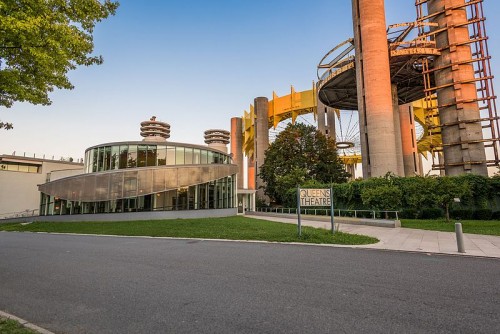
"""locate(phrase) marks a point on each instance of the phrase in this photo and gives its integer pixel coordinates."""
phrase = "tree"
(447, 189)
(300, 153)
(382, 197)
(40, 41)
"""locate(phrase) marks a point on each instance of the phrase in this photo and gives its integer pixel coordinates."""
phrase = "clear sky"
(194, 64)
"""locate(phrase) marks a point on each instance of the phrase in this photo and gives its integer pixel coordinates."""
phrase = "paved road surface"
(88, 284)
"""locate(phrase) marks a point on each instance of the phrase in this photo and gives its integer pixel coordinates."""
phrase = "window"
(100, 163)
(179, 155)
(188, 156)
(196, 156)
(123, 156)
(151, 156)
(141, 155)
(170, 155)
(203, 157)
(95, 151)
(161, 156)
(115, 154)
(132, 156)
(107, 157)
(23, 168)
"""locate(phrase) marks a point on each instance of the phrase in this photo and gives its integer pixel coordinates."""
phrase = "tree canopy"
(300, 154)
(40, 41)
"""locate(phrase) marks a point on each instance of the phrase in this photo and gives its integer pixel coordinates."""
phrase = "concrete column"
(380, 127)
(321, 116)
(351, 169)
(442, 172)
(237, 147)
(363, 134)
(411, 158)
(261, 141)
(251, 173)
(462, 147)
(397, 130)
(330, 122)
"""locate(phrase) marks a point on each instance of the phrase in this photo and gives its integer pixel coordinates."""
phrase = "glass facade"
(140, 176)
(132, 155)
(218, 194)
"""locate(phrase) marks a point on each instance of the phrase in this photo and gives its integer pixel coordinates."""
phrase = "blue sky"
(193, 64)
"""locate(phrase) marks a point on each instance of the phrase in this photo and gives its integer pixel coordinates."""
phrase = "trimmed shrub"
(408, 214)
(496, 215)
(483, 214)
(461, 214)
(431, 213)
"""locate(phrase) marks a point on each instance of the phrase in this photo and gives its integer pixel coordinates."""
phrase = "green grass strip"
(486, 227)
(8, 326)
(232, 228)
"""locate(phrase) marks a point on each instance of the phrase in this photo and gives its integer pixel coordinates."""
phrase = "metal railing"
(45, 157)
(372, 214)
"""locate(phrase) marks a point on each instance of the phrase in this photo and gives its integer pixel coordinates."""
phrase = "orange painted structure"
(237, 147)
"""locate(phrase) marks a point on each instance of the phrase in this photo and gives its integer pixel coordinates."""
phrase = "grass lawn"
(488, 227)
(8, 326)
(233, 228)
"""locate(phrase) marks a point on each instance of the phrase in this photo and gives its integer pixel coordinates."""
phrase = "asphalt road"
(87, 284)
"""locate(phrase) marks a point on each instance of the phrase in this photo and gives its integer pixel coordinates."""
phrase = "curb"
(25, 323)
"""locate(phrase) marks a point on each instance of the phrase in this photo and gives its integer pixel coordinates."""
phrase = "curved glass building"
(147, 175)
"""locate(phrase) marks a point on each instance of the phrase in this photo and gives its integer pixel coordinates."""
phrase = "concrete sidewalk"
(412, 240)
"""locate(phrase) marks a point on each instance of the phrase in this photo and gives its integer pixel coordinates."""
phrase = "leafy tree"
(382, 197)
(447, 189)
(300, 153)
(40, 41)
(6, 126)
(417, 192)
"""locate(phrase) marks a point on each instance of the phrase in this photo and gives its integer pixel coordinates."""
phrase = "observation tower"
(154, 130)
(218, 139)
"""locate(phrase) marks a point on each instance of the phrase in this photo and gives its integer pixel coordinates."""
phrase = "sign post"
(315, 197)
(299, 228)
(331, 210)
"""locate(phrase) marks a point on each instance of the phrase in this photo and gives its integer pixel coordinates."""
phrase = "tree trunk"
(447, 213)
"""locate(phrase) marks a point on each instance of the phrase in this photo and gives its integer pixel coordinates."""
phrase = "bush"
(431, 213)
(495, 215)
(408, 214)
(461, 214)
(365, 214)
(483, 214)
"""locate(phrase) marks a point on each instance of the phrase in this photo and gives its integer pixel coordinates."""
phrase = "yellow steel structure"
(280, 108)
(300, 103)
(426, 114)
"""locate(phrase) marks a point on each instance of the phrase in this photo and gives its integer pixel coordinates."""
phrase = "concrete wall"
(19, 190)
(128, 216)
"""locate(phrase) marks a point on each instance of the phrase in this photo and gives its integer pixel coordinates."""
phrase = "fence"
(373, 214)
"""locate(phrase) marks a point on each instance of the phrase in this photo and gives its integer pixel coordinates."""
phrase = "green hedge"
(417, 197)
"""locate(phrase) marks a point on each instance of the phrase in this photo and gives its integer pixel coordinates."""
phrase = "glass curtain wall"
(212, 195)
(105, 158)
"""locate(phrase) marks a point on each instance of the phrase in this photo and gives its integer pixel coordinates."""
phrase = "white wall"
(19, 191)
